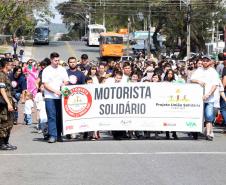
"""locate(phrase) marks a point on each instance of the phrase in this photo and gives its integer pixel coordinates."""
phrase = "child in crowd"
(28, 108)
(41, 111)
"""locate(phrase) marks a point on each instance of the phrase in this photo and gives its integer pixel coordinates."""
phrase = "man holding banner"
(53, 78)
(118, 135)
(208, 78)
(76, 77)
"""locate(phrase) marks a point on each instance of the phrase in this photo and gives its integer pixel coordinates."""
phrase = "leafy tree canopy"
(16, 16)
(169, 17)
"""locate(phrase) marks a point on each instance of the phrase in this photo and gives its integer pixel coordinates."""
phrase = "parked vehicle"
(126, 58)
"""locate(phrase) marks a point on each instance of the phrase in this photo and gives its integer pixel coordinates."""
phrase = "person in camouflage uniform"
(6, 116)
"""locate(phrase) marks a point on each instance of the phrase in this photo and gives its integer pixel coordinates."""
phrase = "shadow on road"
(51, 44)
(89, 50)
(65, 140)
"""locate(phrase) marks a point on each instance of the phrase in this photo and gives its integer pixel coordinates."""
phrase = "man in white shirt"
(117, 135)
(54, 77)
(208, 78)
(127, 70)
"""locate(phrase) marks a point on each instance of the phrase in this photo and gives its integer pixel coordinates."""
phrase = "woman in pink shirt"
(31, 73)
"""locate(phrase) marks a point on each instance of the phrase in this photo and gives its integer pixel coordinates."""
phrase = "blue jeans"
(209, 112)
(223, 109)
(54, 115)
(16, 99)
(28, 119)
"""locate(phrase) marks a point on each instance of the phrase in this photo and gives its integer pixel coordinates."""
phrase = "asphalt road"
(135, 162)
(66, 49)
(125, 162)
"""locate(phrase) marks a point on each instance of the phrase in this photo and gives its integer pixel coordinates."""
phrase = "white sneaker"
(212, 134)
(39, 131)
(73, 136)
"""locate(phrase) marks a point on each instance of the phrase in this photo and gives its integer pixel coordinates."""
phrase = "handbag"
(219, 119)
(2, 102)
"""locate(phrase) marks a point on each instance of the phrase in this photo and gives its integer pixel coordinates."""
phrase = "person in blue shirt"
(76, 77)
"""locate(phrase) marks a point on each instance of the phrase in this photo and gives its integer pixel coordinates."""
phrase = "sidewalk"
(5, 49)
(27, 51)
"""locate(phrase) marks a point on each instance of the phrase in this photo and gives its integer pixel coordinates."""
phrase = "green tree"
(168, 18)
(17, 16)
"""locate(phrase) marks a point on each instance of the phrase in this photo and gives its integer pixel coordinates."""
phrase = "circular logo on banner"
(78, 102)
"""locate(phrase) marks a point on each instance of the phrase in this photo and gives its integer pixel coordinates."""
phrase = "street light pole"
(89, 15)
(104, 15)
(217, 40)
(149, 31)
(85, 27)
(128, 27)
(188, 29)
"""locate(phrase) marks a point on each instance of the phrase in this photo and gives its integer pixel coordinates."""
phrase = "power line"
(125, 3)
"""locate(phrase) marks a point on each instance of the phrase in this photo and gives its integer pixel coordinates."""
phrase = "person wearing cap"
(6, 116)
(84, 64)
(208, 78)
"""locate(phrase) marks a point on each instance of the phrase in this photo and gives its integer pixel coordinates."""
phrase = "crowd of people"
(38, 86)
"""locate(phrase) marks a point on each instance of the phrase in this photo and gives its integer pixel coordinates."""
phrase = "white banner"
(133, 106)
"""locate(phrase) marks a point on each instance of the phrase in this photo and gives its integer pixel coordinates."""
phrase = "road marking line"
(70, 49)
(113, 153)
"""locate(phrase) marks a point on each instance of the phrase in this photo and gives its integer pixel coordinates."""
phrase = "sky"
(53, 4)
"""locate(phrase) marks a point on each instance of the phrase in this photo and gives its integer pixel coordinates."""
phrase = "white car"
(126, 58)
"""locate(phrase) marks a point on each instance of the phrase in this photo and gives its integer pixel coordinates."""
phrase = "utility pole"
(89, 15)
(128, 27)
(188, 29)
(149, 31)
(213, 31)
(217, 40)
(85, 28)
(104, 14)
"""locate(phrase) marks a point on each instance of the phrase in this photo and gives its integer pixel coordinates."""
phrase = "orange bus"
(111, 45)
(123, 31)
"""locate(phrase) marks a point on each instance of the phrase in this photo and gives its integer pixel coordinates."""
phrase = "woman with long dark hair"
(170, 77)
(19, 87)
(92, 72)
